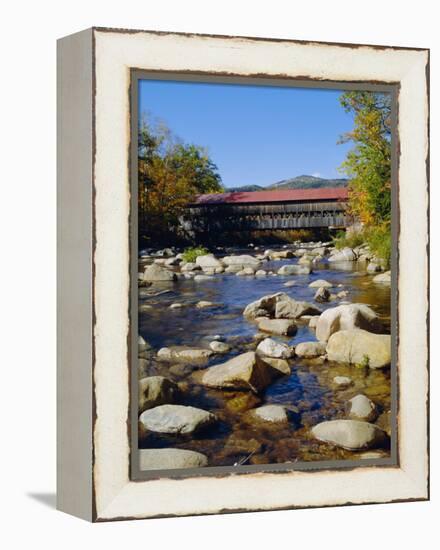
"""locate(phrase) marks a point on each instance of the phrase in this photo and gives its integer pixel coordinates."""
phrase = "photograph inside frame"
(265, 275)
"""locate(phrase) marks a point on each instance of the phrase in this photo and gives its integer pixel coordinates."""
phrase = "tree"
(171, 175)
(368, 164)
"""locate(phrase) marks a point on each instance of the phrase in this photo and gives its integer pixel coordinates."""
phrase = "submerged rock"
(283, 327)
(272, 348)
(154, 391)
(157, 273)
(346, 317)
(360, 347)
(294, 270)
(310, 349)
(247, 371)
(176, 419)
(350, 434)
(170, 459)
(342, 381)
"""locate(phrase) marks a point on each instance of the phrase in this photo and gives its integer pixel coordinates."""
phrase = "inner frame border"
(135, 474)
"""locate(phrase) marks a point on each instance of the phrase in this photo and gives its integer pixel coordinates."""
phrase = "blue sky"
(254, 134)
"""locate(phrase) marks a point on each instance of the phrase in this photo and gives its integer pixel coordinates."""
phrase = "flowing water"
(309, 392)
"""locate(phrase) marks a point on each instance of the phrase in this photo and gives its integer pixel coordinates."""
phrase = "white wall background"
(27, 305)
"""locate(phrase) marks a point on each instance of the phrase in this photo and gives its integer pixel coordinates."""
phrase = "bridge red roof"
(286, 195)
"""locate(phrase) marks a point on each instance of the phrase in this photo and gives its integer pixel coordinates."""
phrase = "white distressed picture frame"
(94, 274)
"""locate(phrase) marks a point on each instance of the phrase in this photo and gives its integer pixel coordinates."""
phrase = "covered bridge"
(323, 208)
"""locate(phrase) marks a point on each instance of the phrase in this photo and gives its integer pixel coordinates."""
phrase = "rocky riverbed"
(263, 356)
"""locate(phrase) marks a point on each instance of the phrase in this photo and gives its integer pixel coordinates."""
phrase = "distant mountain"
(300, 182)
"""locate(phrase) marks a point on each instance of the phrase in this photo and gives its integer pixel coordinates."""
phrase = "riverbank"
(253, 356)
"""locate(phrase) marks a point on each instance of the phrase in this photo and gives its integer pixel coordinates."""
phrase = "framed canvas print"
(242, 274)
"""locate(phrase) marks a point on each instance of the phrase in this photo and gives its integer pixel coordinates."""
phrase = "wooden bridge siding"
(266, 216)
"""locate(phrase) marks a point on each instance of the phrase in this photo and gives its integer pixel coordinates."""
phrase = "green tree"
(171, 174)
(368, 164)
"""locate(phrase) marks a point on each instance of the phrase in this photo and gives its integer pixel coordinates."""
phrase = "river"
(309, 392)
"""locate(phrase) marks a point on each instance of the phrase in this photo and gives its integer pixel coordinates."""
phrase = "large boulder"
(344, 255)
(360, 347)
(280, 306)
(190, 266)
(310, 349)
(208, 262)
(346, 317)
(170, 459)
(154, 273)
(350, 434)
(176, 419)
(282, 327)
(154, 391)
(272, 348)
(360, 407)
(242, 261)
(247, 371)
(294, 270)
(292, 309)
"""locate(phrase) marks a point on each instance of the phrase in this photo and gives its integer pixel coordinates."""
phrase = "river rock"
(294, 270)
(344, 255)
(208, 262)
(359, 346)
(350, 434)
(383, 278)
(154, 391)
(279, 254)
(288, 308)
(170, 459)
(189, 267)
(261, 273)
(290, 283)
(156, 272)
(176, 419)
(281, 365)
(272, 348)
(178, 354)
(306, 260)
(373, 268)
(202, 278)
(283, 327)
(142, 344)
(346, 317)
(384, 422)
(219, 347)
(313, 322)
(320, 283)
(322, 295)
(205, 304)
(360, 407)
(342, 381)
(271, 413)
(247, 371)
(246, 272)
(310, 349)
(242, 261)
